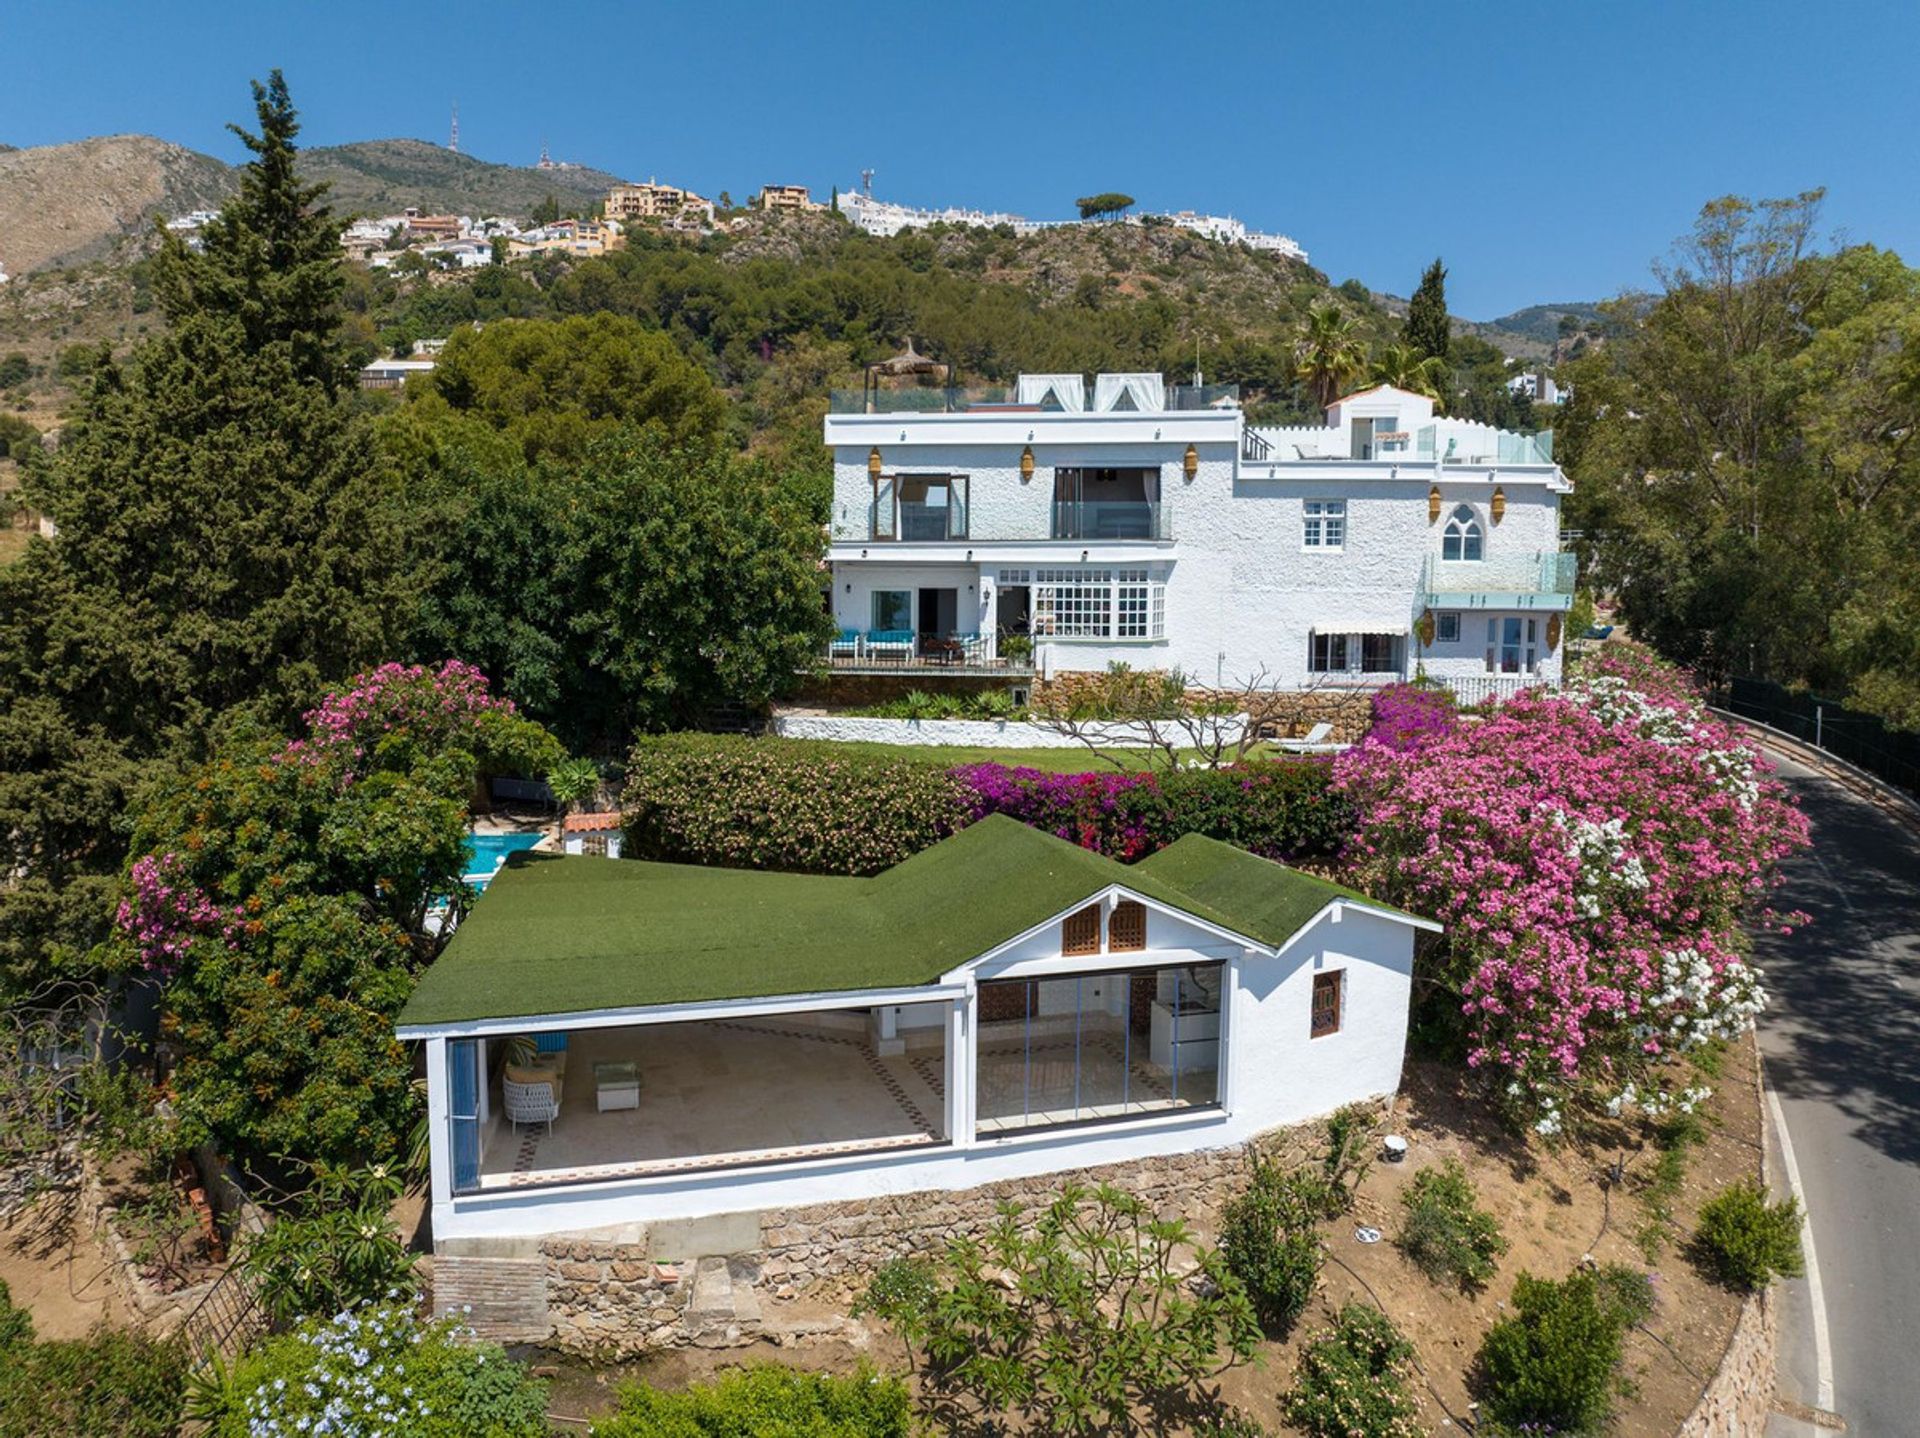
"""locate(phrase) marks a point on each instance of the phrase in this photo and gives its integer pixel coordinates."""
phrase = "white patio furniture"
(616, 1084)
(530, 1103)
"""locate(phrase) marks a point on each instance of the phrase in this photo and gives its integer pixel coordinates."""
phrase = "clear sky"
(1547, 151)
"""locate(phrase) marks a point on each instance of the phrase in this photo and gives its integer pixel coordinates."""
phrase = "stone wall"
(1739, 1396)
(857, 691)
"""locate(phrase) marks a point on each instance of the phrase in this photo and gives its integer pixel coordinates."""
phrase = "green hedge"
(821, 808)
(112, 1384)
(765, 1402)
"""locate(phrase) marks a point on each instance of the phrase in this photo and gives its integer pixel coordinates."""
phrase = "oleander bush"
(1445, 1231)
(1744, 1241)
(1269, 1238)
(377, 1368)
(765, 1401)
(114, 1383)
(1353, 1380)
(1551, 1365)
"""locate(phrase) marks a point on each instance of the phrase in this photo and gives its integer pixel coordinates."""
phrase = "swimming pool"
(490, 852)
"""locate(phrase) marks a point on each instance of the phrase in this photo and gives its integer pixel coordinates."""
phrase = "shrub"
(379, 1368)
(1073, 1319)
(332, 1248)
(1551, 1364)
(1349, 1153)
(1445, 1232)
(815, 808)
(1403, 716)
(1744, 1241)
(111, 1384)
(765, 1402)
(1352, 1381)
(1269, 1239)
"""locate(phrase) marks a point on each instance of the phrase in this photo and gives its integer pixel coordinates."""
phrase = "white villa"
(1129, 520)
(612, 1046)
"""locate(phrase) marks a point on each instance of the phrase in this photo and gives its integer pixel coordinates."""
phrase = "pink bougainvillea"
(1594, 856)
(165, 912)
(394, 703)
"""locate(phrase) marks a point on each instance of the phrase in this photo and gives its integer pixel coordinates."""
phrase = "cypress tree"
(1426, 327)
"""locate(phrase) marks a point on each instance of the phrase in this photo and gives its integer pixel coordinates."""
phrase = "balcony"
(1536, 581)
(1110, 519)
(1001, 399)
(901, 651)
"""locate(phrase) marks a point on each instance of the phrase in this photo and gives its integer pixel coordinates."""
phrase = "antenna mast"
(866, 183)
(453, 140)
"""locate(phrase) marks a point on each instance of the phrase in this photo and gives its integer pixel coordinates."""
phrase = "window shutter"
(1127, 929)
(1326, 1003)
(1080, 933)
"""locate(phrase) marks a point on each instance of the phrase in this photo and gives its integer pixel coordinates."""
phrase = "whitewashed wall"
(973, 733)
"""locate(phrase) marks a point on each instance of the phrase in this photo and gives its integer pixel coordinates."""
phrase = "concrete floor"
(719, 1092)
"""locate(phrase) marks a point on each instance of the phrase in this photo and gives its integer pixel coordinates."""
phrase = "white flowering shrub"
(380, 1371)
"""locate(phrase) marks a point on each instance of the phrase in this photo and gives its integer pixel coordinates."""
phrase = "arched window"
(1463, 537)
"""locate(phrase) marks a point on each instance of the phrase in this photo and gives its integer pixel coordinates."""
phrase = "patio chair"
(530, 1103)
(848, 645)
(890, 643)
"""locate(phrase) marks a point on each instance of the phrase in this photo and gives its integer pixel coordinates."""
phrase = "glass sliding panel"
(893, 610)
(463, 1111)
(883, 515)
(932, 507)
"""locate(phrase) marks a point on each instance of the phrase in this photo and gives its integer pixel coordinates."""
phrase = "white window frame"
(1323, 525)
(1125, 605)
(1321, 649)
(1446, 627)
(1513, 644)
(1463, 525)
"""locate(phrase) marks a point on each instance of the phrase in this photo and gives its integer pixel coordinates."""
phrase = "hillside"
(1541, 323)
(382, 176)
(66, 204)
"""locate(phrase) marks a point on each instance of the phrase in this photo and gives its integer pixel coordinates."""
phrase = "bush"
(379, 1368)
(333, 1248)
(918, 704)
(1552, 1363)
(1269, 1239)
(765, 1402)
(1352, 1380)
(1445, 1232)
(1744, 1241)
(111, 1384)
(813, 808)
(1074, 1319)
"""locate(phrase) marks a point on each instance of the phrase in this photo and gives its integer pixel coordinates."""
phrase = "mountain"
(1541, 323)
(66, 204)
(381, 177)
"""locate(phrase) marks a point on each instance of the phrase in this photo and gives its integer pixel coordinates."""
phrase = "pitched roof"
(597, 822)
(556, 935)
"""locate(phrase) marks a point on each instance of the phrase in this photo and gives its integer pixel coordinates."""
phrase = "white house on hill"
(1133, 521)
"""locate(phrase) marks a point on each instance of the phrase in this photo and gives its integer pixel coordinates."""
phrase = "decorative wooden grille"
(1127, 929)
(1080, 933)
(1326, 1003)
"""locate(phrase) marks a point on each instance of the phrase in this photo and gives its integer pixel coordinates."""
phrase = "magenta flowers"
(396, 703)
(1594, 857)
(165, 912)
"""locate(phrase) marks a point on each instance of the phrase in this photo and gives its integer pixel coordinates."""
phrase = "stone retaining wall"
(1739, 1396)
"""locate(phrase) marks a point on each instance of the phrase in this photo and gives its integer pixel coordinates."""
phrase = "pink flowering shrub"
(1594, 857)
(165, 912)
(1402, 716)
(395, 707)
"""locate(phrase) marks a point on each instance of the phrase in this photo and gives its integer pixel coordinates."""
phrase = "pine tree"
(1426, 328)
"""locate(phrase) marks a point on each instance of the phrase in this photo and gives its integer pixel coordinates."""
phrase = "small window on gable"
(1127, 929)
(1328, 993)
(1080, 933)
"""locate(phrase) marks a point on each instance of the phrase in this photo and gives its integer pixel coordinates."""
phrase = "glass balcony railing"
(1110, 519)
(1533, 581)
(987, 398)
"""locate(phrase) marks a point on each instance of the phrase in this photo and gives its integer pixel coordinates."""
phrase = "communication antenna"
(866, 183)
(546, 160)
(453, 139)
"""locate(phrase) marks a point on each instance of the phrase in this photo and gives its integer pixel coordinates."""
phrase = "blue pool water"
(490, 852)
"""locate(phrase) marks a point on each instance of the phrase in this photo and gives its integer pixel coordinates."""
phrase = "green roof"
(559, 935)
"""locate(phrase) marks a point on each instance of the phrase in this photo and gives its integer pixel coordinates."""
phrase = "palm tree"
(1404, 367)
(1327, 353)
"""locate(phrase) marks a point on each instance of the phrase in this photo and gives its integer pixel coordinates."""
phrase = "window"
(893, 610)
(1380, 653)
(1446, 628)
(1327, 653)
(1080, 933)
(1462, 538)
(1099, 603)
(594, 846)
(1093, 1047)
(1127, 929)
(1327, 994)
(1107, 504)
(920, 507)
(1512, 645)
(1326, 524)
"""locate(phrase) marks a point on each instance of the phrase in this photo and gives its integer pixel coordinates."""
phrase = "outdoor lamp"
(1190, 463)
(1499, 505)
(1026, 464)
(1433, 504)
(873, 462)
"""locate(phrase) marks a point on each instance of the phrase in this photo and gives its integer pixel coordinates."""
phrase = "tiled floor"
(719, 1091)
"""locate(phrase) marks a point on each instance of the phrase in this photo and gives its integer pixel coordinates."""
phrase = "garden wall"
(975, 733)
(1740, 1394)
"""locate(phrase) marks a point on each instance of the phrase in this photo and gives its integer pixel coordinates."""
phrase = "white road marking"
(1822, 1342)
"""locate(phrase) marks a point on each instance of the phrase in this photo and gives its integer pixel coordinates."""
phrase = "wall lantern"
(849, 589)
(1499, 506)
(1026, 464)
(1190, 463)
(873, 462)
(1433, 504)
(1553, 632)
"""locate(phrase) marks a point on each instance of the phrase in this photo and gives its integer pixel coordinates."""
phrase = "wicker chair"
(530, 1103)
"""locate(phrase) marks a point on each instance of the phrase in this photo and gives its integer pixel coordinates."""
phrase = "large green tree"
(637, 587)
(224, 542)
(1427, 330)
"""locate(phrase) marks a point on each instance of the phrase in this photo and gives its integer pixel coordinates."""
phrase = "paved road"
(1841, 1046)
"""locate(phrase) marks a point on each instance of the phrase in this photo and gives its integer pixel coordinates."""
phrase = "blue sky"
(1548, 152)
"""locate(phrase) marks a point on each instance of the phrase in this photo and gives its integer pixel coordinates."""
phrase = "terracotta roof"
(590, 823)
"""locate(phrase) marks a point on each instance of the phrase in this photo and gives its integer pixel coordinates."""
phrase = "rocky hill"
(378, 177)
(66, 204)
